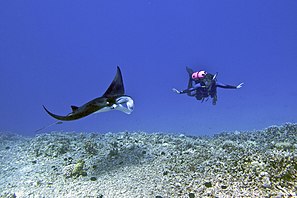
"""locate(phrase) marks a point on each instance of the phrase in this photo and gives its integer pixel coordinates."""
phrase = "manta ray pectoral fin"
(116, 88)
(74, 108)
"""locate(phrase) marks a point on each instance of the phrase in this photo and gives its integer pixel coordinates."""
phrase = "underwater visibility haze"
(63, 53)
(91, 98)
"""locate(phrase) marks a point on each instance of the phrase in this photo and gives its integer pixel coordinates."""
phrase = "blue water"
(62, 53)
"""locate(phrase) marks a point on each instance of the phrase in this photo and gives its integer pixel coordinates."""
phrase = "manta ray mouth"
(124, 104)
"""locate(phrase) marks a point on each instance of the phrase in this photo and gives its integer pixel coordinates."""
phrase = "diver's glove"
(176, 91)
(239, 86)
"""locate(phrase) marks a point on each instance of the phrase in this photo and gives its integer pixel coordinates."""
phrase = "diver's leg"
(214, 99)
(198, 97)
(213, 94)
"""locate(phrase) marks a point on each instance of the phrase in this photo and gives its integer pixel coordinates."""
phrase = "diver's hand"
(239, 86)
(175, 90)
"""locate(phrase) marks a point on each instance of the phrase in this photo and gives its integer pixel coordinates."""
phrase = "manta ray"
(114, 98)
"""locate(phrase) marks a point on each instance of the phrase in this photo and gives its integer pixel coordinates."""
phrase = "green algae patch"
(78, 169)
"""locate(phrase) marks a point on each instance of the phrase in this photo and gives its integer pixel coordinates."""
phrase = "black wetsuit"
(204, 87)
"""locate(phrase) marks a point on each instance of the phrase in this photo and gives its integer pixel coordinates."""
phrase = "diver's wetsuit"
(205, 87)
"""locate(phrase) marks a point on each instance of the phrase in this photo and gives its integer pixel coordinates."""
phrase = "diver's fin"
(116, 88)
(215, 76)
(190, 81)
(190, 71)
(74, 108)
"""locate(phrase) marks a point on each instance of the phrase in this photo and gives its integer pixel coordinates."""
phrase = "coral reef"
(239, 164)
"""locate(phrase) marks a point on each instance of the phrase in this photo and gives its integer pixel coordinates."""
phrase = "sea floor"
(238, 164)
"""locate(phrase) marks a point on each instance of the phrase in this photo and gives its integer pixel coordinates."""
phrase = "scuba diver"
(203, 85)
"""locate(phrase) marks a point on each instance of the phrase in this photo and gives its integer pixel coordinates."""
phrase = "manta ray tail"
(58, 117)
(58, 122)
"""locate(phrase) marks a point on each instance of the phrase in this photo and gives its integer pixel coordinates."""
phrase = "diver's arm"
(195, 87)
(181, 92)
(221, 85)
